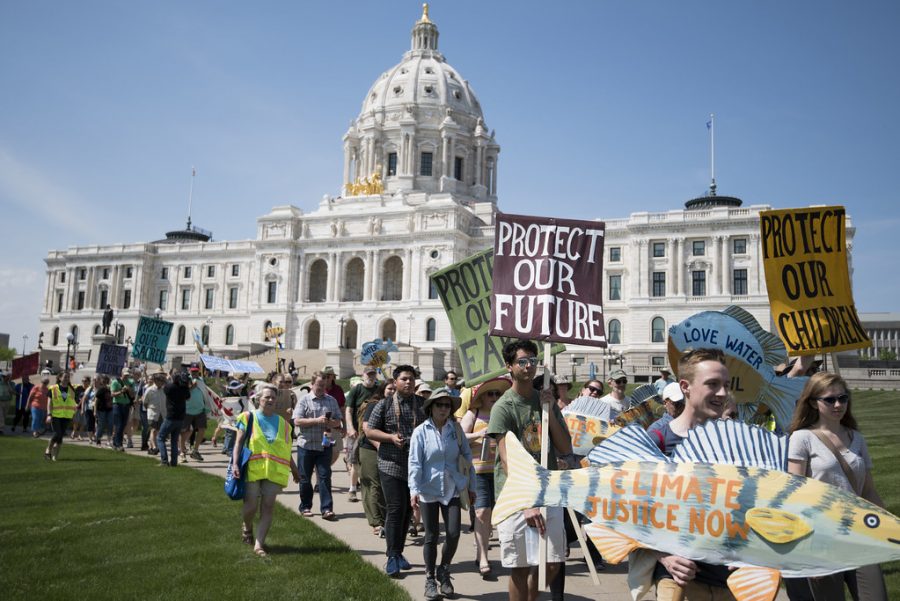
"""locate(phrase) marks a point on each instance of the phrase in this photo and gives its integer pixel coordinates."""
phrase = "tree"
(7, 354)
(887, 355)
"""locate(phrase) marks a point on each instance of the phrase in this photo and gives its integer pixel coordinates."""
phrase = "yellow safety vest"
(268, 460)
(62, 407)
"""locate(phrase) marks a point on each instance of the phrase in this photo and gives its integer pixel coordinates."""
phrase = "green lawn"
(879, 420)
(102, 525)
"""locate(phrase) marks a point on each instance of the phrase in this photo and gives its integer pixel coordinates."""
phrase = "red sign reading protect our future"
(548, 279)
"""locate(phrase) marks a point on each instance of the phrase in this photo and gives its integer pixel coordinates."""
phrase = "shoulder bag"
(234, 487)
(841, 461)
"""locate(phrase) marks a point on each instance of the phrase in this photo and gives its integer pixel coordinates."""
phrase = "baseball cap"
(673, 392)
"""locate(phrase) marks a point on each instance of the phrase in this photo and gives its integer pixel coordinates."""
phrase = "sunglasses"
(595, 389)
(622, 381)
(495, 393)
(442, 405)
(831, 400)
(527, 362)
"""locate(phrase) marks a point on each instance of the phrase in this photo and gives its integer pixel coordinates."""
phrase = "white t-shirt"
(616, 407)
(822, 464)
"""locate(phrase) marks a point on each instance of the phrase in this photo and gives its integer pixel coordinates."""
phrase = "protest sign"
(25, 366)
(152, 340)
(376, 353)
(551, 284)
(231, 365)
(111, 359)
(465, 291)
(805, 259)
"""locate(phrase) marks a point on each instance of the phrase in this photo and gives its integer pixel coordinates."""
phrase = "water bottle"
(485, 448)
(326, 440)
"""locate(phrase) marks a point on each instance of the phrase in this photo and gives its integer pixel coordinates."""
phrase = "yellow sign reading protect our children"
(805, 258)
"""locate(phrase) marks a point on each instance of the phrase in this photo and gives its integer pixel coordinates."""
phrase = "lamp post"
(409, 336)
(24, 341)
(70, 340)
(341, 335)
(158, 313)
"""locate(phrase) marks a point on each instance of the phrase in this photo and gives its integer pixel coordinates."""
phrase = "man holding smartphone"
(316, 415)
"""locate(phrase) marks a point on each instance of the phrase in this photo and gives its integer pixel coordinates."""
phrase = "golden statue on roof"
(425, 18)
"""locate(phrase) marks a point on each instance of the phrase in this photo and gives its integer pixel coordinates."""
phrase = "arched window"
(350, 334)
(96, 330)
(229, 334)
(265, 331)
(55, 336)
(389, 330)
(204, 335)
(614, 332)
(318, 281)
(658, 330)
(392, 283)
(430, 329)
(120, 334)
(74, 331)
(181, 335)
(313, 335)
(354, 280)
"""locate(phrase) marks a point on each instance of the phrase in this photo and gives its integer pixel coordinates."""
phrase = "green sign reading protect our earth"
(465, 290)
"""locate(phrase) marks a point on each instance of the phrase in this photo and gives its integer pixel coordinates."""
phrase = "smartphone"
(328, 415)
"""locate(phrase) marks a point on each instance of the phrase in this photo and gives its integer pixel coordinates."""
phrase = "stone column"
(333, 269)
(346, 163)
(671, 251)
(494, 176)
(638, 273)
(407, 275)
(479, 156)
(376, 276)
(715, 267)
(726, 266)
(367, 285)
(755, 275)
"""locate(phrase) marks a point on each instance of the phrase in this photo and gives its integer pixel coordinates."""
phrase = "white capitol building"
(420, 178)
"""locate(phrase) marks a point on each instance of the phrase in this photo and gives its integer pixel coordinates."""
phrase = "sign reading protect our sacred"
(550, 283)
(805, 258)
(465, 290)
(111, 359)
(152, 340)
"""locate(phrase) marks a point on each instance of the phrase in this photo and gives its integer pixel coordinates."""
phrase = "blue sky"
(600, 108)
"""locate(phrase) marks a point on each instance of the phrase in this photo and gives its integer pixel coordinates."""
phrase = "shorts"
(353, 450)
(266, 488)
(512, 535)
(156, 423)
(196, 422)
(484, 491)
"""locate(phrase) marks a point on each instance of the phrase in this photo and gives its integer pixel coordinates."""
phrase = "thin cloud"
(33, 191)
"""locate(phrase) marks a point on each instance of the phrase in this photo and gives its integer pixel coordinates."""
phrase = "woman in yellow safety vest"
(60, 409)
(269, 467)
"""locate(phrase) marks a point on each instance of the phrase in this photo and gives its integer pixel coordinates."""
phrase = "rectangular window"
(432, 290)
(235, 270)
(187, 273)
(59, 303)
(164, 274)
(82, 274)
(185, 299)
(104, 298)
(163, 299)
(458, 168)
(62, 277)
(615, 287)
(740, 246)
(209, 298)
(210, 271)
(425, 167)
(126, 299)
(232, 297)
(80, 303)
(698, 283)
(392, 164)
(129, 272)
(698, 248)
(657, 361)
(659, 283)
(105, 274)
(272, 291)
(740, 282)
(659, 249)
(615, 254)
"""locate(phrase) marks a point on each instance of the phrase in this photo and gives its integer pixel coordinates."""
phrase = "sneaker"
(443, 574)
(195, 454)
(153, 451)
(184, 458)
(162, 464)
(404, 565)
(353, 498)
(431, 589)
(129, 444)
(392, 567)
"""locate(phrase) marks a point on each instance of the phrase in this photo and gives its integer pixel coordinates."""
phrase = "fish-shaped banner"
(722, 499)
(751, 355)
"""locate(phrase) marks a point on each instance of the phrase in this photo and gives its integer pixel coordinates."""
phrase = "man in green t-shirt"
(122, 390)
(358, 395)
(519, 411)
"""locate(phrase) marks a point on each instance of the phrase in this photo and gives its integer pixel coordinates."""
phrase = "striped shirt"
(310, 407)
(393, 460)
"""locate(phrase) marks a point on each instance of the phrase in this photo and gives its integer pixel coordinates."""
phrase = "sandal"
(246, 534)
(485, 571)
(260, 552)
(329, 515)
(307, 513)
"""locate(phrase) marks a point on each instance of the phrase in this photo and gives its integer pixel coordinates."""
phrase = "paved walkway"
(352, 528)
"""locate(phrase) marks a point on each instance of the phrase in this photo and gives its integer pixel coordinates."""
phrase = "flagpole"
(191, 196)
(712, 153)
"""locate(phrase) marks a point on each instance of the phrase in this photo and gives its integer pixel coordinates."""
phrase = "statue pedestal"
(96, 341)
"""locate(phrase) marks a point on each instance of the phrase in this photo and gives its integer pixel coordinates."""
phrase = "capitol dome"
(421, 128)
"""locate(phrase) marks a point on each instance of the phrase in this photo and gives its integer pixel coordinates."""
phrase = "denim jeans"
(228, 443)
(37, 419)
(170, 427)
(145, 428)
(396, 512)
(104, 425)
(120, 414)
(308, 459)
